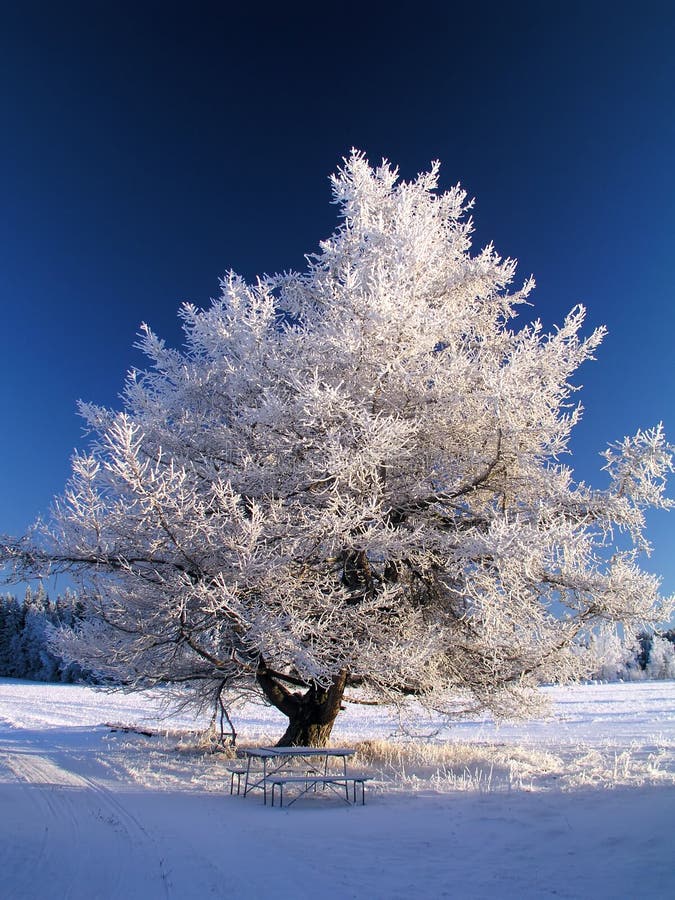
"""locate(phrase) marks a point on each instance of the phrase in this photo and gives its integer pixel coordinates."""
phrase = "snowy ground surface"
(581, 805)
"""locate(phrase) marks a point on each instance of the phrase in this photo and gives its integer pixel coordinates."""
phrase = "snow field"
(581, 805)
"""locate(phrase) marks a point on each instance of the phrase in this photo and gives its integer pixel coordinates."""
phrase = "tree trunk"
(311, 715)
(303, 732)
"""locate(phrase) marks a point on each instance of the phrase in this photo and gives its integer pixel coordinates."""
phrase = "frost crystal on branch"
(351, 476)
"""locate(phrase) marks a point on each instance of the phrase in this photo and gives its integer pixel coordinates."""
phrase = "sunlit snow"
(580, 805)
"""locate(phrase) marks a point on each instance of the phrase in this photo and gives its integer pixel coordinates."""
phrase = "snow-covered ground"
(581, 805)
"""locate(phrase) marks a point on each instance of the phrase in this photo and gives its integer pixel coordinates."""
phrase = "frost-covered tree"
(26, 629)
(33, 640)
(12, 621)
(611, 656)
(661, 662)
(351, 476)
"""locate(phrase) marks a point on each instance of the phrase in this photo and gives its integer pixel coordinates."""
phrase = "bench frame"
(311, 781)
(240, 772)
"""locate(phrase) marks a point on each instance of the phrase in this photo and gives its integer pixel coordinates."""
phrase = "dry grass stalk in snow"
(163, 762)
(497, 767)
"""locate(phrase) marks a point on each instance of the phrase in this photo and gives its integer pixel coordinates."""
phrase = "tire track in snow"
(138, 835)
(51, 818)
(91, 846)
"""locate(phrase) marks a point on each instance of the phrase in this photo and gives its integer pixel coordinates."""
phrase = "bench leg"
(363, 791)
(281, 793)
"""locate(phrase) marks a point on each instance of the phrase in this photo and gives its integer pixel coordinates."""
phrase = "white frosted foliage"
(358, 469)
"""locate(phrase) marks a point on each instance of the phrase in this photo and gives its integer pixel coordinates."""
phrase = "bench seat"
(312, 780)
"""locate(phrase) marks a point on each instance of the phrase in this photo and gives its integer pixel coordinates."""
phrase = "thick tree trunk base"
(311, 715)
(306, 734)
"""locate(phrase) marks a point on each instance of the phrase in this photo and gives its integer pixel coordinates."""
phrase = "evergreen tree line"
(26, 627)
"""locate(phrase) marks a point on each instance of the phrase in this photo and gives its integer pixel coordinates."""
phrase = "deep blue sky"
(146, 148)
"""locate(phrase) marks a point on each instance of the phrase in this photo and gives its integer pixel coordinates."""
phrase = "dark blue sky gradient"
(146, 148)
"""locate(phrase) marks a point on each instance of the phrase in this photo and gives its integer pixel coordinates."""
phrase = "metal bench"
(311, 781)
(305, 763)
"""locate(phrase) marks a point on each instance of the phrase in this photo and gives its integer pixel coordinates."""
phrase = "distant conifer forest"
(26, 628)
